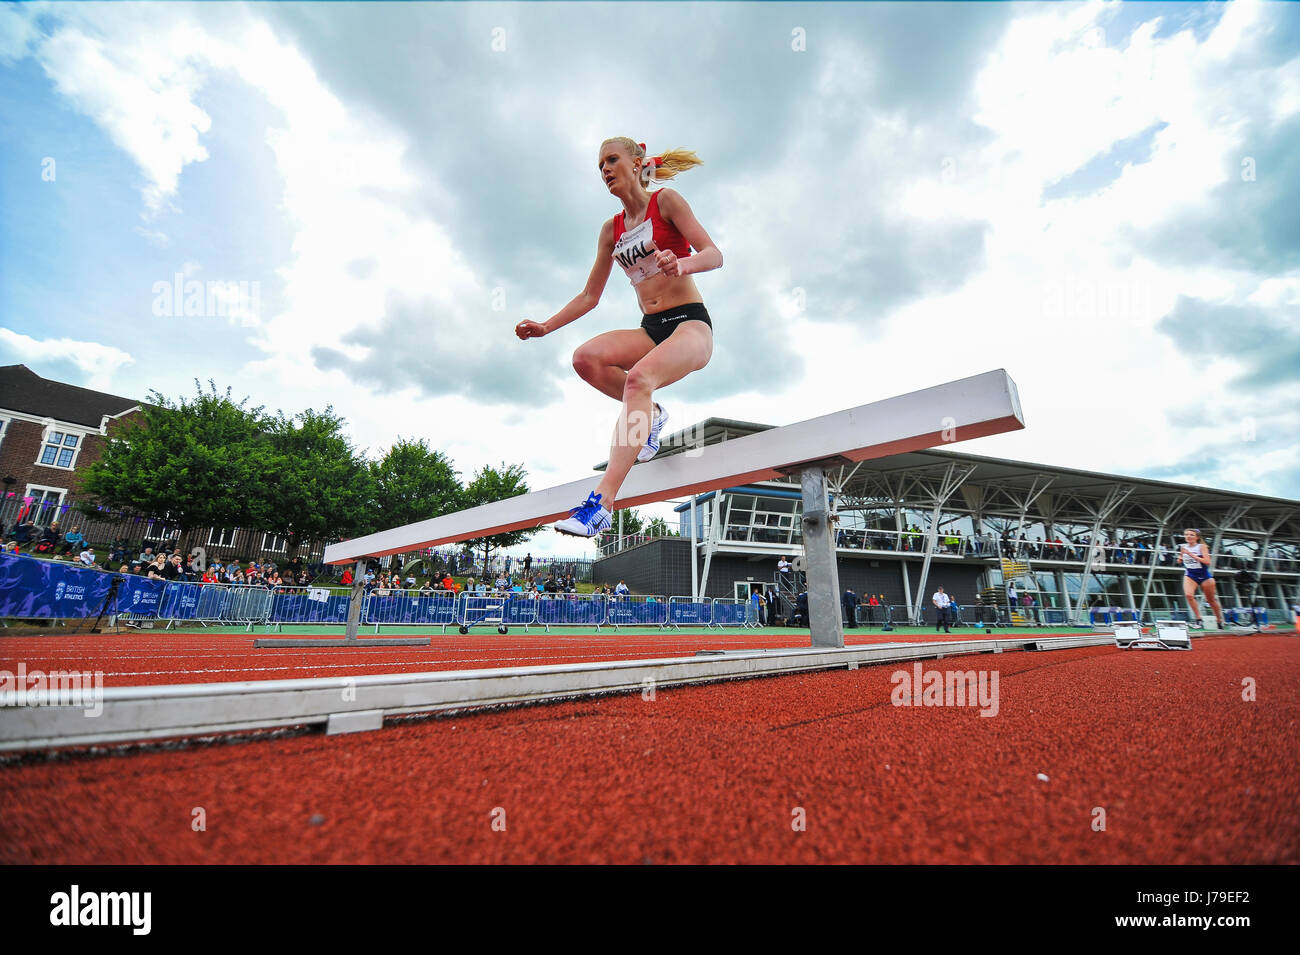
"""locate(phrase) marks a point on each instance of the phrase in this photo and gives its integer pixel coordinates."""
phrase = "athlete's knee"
(640, 381)
(587, 362)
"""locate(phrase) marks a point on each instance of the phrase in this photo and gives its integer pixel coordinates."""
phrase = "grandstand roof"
(1007, 476)
(24, 391)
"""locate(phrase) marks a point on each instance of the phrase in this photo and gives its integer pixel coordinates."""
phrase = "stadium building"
(1081, 544)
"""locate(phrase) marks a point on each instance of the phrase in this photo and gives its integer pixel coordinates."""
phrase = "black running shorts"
(662, 324)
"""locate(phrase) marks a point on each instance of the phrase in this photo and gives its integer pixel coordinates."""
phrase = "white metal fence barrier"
(308, 605)
(408, 608)
(733, 612)
(571, 610)
(636, 611)
(246, 605)
(502, 610)
(205, 604)
(683, 611)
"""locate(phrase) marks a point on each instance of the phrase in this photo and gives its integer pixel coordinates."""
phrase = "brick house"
(50, 432)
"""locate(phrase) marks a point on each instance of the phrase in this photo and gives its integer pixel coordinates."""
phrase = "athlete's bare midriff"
(661, 292)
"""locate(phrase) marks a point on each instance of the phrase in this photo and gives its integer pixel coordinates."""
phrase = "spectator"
(172, 569)
(942, 604)
(621, 590)
(849, 602)
(979, 610)
(801, 609)
(783, 569)
(87, 558)
(50, 538)
(775, 609)
(74, 540)
(1031, 608)
(872, 604)
(24, 532)
(11, 547)
(1012, 597)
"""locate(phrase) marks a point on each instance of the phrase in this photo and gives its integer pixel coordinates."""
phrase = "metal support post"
(1169, 514)
(695, 556)
(354, 601)
(1114, 498)
(824, 610)
(952, 480)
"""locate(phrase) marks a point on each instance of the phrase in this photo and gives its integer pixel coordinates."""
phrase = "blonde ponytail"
(658, 168)
(675, 161)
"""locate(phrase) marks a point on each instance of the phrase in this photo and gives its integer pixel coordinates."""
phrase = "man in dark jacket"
(850, 604)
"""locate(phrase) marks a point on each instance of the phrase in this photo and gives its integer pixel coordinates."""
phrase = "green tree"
(496, 484)
(412, 482)
(323, 487)
(633, 523)
(659, 528)
(196, 463)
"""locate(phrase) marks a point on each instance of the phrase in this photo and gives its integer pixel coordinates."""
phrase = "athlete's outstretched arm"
(707, 256)
(585, 300)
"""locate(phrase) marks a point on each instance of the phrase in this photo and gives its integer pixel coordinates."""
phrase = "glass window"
(221, 537)
(59, 449)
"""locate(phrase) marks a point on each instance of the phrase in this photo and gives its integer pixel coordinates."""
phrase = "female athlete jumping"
(651, 239)
(1196, 561)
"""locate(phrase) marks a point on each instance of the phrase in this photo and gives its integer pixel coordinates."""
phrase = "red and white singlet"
(634, 250)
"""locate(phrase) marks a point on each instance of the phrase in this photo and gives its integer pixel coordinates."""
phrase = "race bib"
(635, 252)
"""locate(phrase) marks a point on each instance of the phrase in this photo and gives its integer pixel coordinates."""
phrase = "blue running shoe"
(652, 443)
(586, 520)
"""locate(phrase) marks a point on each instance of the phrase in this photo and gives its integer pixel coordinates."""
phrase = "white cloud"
(16, 32)
(98, 362)
(140, 90)
(1061, 293)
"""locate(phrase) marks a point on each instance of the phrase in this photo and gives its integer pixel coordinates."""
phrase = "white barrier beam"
(956, 411)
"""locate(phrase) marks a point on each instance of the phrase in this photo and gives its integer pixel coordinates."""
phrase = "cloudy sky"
(1100, 197)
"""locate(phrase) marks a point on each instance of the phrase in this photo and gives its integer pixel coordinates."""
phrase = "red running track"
(141, 658)
(1184, 768)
